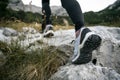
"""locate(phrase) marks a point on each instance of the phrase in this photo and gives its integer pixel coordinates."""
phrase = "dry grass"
(58, 27)
(37, 65)
(18, 25)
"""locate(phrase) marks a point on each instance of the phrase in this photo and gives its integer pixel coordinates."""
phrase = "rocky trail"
(105, 64)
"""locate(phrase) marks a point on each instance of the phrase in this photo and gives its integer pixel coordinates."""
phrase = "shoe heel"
(93, 42)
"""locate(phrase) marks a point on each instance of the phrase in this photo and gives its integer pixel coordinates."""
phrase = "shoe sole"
(49, 34)
(92, 43)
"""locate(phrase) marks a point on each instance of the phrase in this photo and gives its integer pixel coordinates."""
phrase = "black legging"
(73, 9)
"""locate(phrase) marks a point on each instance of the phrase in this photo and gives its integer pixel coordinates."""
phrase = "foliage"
(22, 16)
(104, 17)
(108, 16)
(92, 18)
(3, 5)
(29, 17)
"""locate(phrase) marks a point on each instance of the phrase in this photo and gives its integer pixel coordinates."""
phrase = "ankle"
(77, 33)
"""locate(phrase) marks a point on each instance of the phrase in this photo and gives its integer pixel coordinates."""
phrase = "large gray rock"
(105, 57)
(19, 5)
(16, 5)
(85, 72)
(108, 54)
(59, 11)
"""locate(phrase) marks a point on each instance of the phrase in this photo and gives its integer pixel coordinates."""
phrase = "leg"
(46, 10)
(48, 30)
(75, 12)
(86, 41)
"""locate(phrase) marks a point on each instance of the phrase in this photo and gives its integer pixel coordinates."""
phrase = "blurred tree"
(3, 5)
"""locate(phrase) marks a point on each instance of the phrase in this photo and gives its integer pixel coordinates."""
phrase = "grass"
(37, 65)
(18, 25)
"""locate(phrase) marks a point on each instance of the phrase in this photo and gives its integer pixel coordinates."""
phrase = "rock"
(108, 55)
(10, 32)
(58, 10)
(115, 31)
(3, 37)
(109, 52)
(66, 48)
(29, 30)
(85, 72)
(16, 5)
(105, 59)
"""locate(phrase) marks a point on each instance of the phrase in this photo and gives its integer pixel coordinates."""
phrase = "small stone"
(10, 32)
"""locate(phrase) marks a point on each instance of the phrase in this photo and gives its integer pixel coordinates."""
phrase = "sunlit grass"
(58, 27)
(18, 25)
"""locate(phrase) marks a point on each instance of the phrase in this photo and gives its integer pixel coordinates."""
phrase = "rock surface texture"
(85, 72)
(105, 64)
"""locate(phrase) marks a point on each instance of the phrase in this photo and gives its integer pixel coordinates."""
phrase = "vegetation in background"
(109, 16)
(3, 5)
(105, 17)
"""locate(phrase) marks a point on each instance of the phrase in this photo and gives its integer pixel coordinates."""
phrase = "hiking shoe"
(85, 43)
(48, 31)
